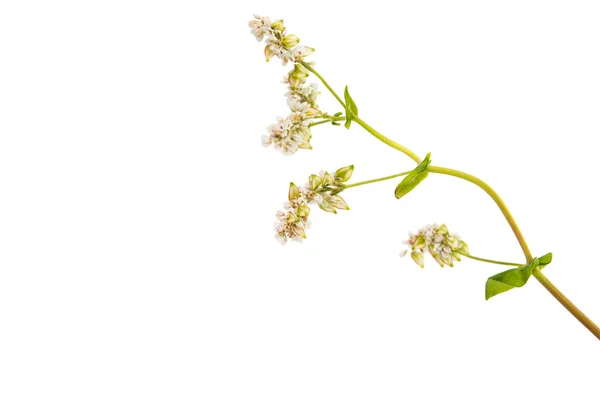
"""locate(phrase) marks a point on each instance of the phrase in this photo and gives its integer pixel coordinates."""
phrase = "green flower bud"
(278, 25)
(417, 256)
(268, 53)
(315, 181)
(343, 174)
(294, 192)
(338, 202)
(290, 41)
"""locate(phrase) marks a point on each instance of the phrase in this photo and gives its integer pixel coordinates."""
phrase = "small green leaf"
(509, 279)
(415, 177)
(351, 108)
(337, 114)
(343, 174)
(545, 260)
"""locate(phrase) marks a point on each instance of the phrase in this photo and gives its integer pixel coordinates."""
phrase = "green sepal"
(509, 279)
(415, 177)
(351, 108)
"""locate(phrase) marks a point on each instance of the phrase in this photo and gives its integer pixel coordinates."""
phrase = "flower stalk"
(294, 132)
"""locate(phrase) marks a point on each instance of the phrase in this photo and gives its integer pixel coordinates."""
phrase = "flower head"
(322, 189)
(435, 239)
(278, 42)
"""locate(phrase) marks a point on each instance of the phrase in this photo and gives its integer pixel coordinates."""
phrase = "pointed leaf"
(415, 177)
(351, 108)
(509, 279)
(545, 260)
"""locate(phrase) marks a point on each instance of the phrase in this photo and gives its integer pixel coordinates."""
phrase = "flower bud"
(290, 41)
(343, 174)
(338, 202)
(417, 256)
(294, 192)
(315, 181)
(278, 25)
(269, 53)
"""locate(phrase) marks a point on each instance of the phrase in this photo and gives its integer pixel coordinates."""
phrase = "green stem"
(562, 299)
(499, 202)
(311, 69)
(362, 123)
(328, 119)
(376, 180)
(581, 317)
(490, 261)
(385, 139)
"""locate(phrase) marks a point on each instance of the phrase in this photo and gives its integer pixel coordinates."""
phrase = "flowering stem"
(376, 180)
(492, 193)
(581, 317)
(362, 123)
(489, 261)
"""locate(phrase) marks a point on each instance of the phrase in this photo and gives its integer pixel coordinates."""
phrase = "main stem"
(581, 317)
(568, 304)
(492, 193)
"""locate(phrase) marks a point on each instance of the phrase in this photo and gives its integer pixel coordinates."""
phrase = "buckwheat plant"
(293, 133)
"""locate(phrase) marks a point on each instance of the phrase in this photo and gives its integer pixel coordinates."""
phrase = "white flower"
(290, 134)
(260, 27)
(278, 42)
(293, 223)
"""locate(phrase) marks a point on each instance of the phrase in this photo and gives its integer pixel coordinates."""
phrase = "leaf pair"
(514, 277)
(415, 177)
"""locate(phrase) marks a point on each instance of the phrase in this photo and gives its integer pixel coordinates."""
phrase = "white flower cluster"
(322, 189)
(444, 247)
(293, 132)
(279, 43)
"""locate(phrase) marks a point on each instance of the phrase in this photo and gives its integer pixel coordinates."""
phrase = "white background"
(136, 203)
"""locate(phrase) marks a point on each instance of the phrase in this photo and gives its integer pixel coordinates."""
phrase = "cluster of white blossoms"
(322, 189)
(279, 43)
(444, 247)
(293, 132)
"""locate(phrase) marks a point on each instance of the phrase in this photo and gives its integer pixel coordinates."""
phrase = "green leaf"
(351, 107)
(545, 260)
(415, 177)
(509, 279)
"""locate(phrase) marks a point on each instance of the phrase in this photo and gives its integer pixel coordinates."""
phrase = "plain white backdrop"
(137, 258)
